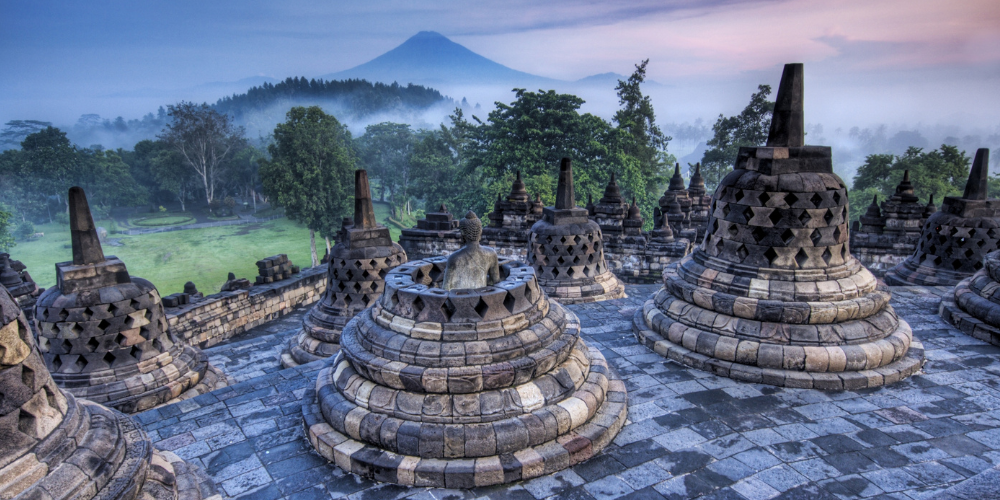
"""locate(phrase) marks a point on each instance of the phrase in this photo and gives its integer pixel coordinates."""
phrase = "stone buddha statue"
(473, 265)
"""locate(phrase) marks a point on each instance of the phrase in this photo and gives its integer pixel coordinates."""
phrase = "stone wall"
(225, 315)
(634, 260)
(881, 252)
(421, 244)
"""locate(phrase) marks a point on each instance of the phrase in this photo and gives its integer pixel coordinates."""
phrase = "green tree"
(438, 176)
(6, 227)
(244, 170)
(310, 172)
(643, 139)
(107, 180)
(531, 135)
(749, 128)
(941, 172)
(18, 190)
(385, 151)
(205, 139)
(52, 162)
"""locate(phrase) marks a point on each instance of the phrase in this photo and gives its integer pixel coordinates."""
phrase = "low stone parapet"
(225, 315)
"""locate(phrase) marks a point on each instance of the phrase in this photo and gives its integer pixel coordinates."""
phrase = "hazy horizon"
(908, 65)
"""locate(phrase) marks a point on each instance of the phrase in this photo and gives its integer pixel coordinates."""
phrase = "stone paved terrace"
(689, 433)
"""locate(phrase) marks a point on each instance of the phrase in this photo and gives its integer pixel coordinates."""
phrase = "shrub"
(24, 230)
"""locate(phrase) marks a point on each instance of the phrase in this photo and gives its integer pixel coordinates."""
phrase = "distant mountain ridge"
(430, 58)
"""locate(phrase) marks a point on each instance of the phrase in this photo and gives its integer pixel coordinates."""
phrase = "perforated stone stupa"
(364, 253)
(511, 221)
(955, 239)
(975, 306)
(15, 278)
(104, 334)
(773, 294)
(55, 446)
(701, 202)
(464, 387)
(675, 206)
(888, 235)
(566, 249)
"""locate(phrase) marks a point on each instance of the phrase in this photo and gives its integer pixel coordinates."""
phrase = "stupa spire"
(565, 198)
(787, 123)
(676, 182)
(364, 212)
(86, 244)
(517, 190)
(975, 188)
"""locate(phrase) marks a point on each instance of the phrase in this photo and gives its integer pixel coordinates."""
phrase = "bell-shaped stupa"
(463, 387)
(887, 236)
(15, 278)
(773, 294)
(104, 334)
(566, 249)
(700, 203)
(955, 239)
(974, 307)
(364, 253)
(55, 446)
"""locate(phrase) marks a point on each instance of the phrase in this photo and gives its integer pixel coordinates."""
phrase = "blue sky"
(888, 61)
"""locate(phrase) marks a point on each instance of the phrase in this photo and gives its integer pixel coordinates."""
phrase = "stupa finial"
(975, 188)
(364, 212)
(86, 244)
(787, 122)
(565, 198)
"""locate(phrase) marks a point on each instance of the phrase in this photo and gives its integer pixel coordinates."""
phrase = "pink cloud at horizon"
(892, 34)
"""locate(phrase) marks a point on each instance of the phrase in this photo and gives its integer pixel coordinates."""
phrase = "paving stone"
(608, 488)
(839, 447)
(644, 475)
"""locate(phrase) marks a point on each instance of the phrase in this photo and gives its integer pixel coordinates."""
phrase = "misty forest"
(288, 149)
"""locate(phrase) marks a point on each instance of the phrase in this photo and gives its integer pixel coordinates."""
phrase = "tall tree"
(16, 131)
(6, 230)
(204, 138)
(49, 157)
(643, 139)
(531, 135)
(310, 172)
(385, 151)
(244, 170)
(749, 128)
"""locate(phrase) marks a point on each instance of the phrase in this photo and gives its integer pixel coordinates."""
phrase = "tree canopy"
(940, 172)
(749, 128)
(311, 169)
(205, 139)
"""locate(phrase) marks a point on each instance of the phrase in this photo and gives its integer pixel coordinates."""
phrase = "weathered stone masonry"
(224, 315)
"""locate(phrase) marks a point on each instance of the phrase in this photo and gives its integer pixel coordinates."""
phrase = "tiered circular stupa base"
(355, 280)
(834, 334)
(911, 273)
(318, 339)
(108, 456)
(975, 306)
(463, 388)
(605, 286)
(180, 373)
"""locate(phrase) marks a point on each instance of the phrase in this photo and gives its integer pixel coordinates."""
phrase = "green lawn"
(204, 256)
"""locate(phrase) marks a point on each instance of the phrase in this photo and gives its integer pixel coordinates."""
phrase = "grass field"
(204, 256)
